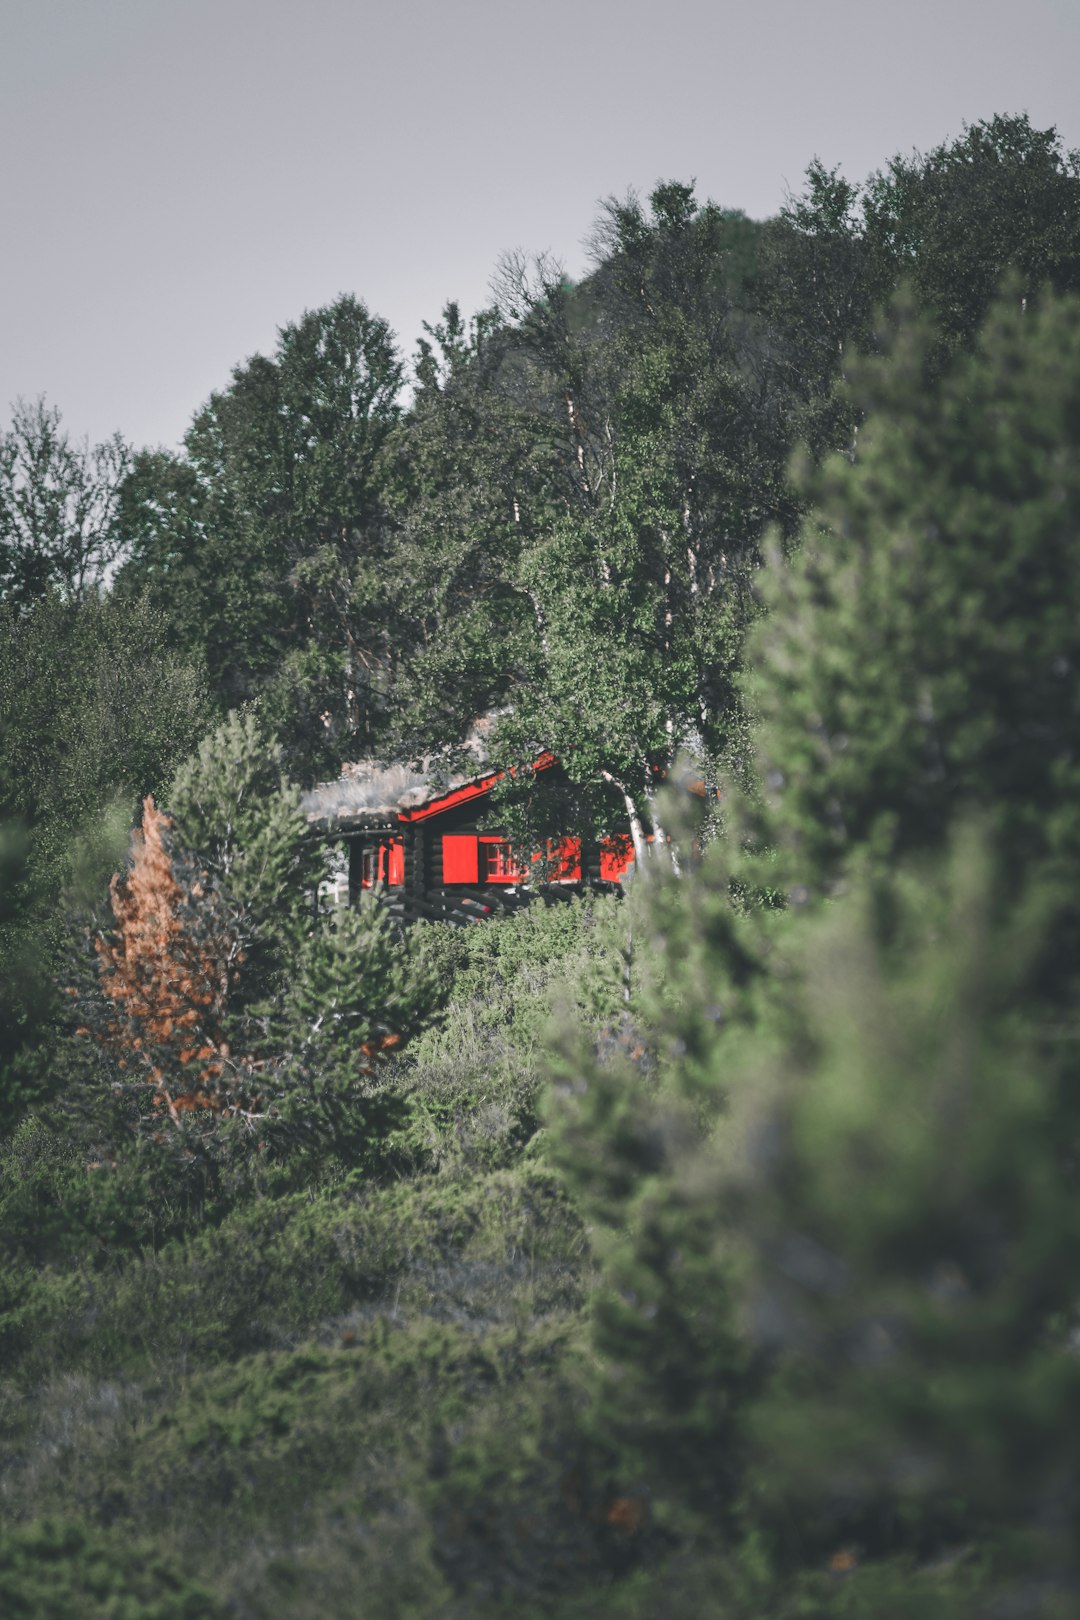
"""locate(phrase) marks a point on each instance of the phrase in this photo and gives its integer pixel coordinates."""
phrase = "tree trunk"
(637, 831)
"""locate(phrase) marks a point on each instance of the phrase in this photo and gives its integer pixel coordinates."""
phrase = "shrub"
(70, 1571)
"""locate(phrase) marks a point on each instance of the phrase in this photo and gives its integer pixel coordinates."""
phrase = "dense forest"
(708, 1250)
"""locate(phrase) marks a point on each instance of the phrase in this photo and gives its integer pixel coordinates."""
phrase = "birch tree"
(59, 502)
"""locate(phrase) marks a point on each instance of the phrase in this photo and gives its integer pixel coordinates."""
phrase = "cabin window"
(497, 864)
(382, 863)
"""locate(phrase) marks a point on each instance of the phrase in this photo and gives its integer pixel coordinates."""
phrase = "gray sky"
(181, 177)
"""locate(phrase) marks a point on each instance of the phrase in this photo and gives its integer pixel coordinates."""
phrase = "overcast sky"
(181, 177)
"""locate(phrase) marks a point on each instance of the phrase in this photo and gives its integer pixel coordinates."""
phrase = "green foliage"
(357, 993)
(346, 1386)
(264, 543)
(474, 1080)
(58, 508)
(475, 475)
(838, 1256)
(954, 223)
(357, 988)
(921, 651)
(70, 1571)
(23, 985)
(271, 1269)
(234, 809)
(910, 1214)
(92, 715)
(628, 1116)
(90, 707)
(1003, 197)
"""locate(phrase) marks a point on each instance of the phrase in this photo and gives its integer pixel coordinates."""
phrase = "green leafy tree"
(266, 539)
(953, 223)
(1003, 197)
(815, 289)
(643, 603)
(59, 506)
(476, 474)
(162, 517)
(91, 706)
(606, 618)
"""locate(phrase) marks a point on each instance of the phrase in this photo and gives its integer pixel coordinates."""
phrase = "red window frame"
(496, 861)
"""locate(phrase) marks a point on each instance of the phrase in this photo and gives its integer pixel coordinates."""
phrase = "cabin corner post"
(417, 860)
(356, 870)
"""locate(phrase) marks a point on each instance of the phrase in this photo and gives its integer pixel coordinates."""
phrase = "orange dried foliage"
(167, 975)
(372, 1050)
(626, 1513)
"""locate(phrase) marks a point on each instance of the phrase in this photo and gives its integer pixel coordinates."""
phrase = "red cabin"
(433, 853)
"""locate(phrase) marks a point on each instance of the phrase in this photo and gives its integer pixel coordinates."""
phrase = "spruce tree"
(921, 654)
(834, 1197)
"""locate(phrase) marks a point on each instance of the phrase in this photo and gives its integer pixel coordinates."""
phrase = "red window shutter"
(396, 863)
(567, 857)
(459, 858)
(616, 853)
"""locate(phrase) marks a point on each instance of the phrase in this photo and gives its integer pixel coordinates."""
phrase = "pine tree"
(921, 654)
(219, 986)
(167, 966)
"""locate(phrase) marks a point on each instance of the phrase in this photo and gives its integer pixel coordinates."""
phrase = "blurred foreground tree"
(836, 1217)
(835, 1186)
(921, 655)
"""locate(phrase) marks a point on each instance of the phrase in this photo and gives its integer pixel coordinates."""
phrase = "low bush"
(66, 1570)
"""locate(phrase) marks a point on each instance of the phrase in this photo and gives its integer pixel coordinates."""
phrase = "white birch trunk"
(637, 831)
